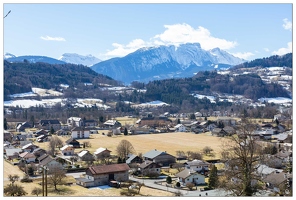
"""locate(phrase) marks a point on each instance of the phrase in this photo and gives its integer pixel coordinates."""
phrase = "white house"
(189, 176)
(79, 132)
(180, 128)
(74, 122)
(67, 150)
(197, 165)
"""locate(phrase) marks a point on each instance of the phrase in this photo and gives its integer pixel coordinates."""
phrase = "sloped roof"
(185, 173)
(66, 146)
(82, 153)
(154, 153)
(149, 164)
(100, 150)
(275, 178)
(27, 155)
(11, 152)
(197, 163)
(47, 160)
(105, 169)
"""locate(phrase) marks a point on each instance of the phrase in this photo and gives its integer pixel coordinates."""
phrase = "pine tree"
(5, 124)
(213, 177)
(125, 131)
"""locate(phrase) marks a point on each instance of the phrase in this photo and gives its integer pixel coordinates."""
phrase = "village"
(92, 149)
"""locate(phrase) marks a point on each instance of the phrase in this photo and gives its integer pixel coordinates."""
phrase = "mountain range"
(147, 64)
(162, 62)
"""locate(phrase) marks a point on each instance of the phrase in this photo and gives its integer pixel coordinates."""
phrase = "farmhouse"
(103, 174)
(85, 155)
(149, 167)
(102, 153)
(28, 157)
(67, 150)
(189, 176)
(197, 165)
(112, 124)
(73, 142)
(160, 157)
(180, 128)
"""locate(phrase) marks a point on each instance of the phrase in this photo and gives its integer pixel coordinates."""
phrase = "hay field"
(169, 142)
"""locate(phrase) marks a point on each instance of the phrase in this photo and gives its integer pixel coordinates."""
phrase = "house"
(85, 155)
(67, 150)
(133, 159)
(7, 136)
(73, 142)
(62, 132)
(140, 130)
(180, 128)
(102, 153)
(49, 162)
(39, 152)
(41, 132)
(219, 132)
(74, 122)
(80, 133)
(28, 157)
(263, 170)
(103, 174)
(285, 156)
(197, 165)
(29, 147)
(90, 123)
(112, 124)
(17, 138)
(43, 138)
(149, 167)
(22, 126)
(12, 153)
(154, 121)
(277, 180)
(229, 130)
(190, 176)
(160, 157)
(198, 114)
(48, 123)
(227, 121)
(42, 157)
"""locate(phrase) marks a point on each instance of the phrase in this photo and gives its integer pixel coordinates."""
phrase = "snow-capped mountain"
(163, 62)
(74, 58)
(8, 55)
(32, 59)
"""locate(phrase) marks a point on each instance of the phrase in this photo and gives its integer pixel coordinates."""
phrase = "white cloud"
(60, 39)
(283, 50)
(183, 33)
(266, 49)
(173, 35)
(287, 24)
(122, 50)
(245, 55)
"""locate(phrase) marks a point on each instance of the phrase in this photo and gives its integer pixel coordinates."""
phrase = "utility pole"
(44, 180)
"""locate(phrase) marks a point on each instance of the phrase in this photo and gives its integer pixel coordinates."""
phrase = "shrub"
(169, 180)
(26, 179)
(178, 184)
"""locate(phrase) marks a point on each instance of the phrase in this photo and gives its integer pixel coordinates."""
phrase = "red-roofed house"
(103, 174)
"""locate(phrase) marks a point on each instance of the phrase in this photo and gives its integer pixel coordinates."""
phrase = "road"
(196, 193)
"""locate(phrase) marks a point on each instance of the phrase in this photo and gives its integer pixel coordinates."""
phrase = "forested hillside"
(21, 77)
(272, 61)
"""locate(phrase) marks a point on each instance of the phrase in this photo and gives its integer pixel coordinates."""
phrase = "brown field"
(169, 142)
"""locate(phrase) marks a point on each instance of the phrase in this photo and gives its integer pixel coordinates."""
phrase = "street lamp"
(44, 170)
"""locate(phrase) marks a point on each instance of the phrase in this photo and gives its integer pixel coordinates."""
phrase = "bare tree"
(54, 142)
(56, 176)
(242, 155)
(124, 148)
(13, 178)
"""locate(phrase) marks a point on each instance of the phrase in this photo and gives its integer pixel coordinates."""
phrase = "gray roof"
(154, 153)
(197, 163)
(185, 173)
(265, 170)
(11, 152)
(128, 161)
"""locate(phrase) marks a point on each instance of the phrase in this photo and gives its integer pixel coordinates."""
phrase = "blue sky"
(248, 31)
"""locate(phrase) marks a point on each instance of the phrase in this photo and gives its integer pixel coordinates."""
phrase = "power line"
(7, 14)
